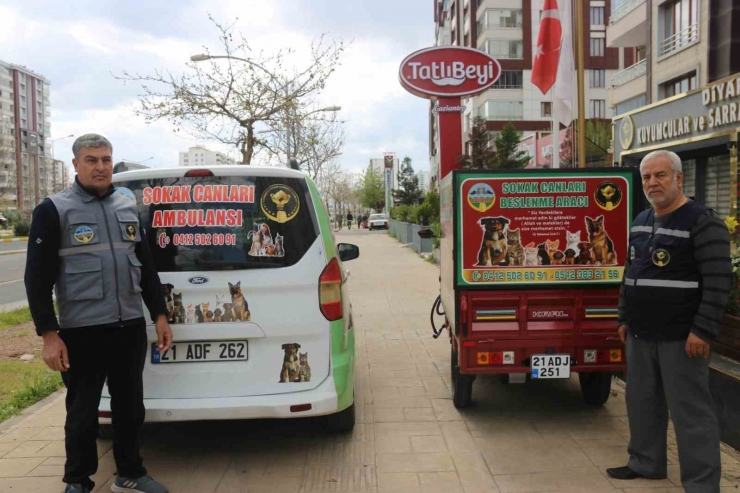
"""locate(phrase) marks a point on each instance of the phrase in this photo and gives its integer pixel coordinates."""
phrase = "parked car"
(377, 221)
(257, 293)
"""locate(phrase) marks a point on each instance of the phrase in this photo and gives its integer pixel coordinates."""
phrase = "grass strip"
(36, 383)
(14, 317)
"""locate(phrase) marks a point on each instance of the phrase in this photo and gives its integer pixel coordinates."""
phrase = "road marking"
(10, 282)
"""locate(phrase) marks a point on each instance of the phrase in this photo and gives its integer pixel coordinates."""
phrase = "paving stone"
(13, 468)
(339, 479)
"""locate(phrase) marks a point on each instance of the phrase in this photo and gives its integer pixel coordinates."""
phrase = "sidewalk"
(409, 437)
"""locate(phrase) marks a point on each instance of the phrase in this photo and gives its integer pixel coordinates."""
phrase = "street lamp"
(202, 57)
(138, 162)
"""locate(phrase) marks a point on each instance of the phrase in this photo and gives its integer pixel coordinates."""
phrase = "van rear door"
(240, 256)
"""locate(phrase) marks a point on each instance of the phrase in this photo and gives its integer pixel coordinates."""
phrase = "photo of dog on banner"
(502, 246)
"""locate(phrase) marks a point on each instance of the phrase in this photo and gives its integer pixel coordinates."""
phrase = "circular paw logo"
(661, 257)
(481, 197)
(280, 203)
(83, 234)
(608, 195)
(626, 132)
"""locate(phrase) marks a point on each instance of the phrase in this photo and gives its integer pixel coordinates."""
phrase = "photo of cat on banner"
(502, 246)
(263, 244)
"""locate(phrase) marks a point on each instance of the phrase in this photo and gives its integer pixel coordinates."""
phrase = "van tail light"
(199, 172)
(330, 291)
(463, 313)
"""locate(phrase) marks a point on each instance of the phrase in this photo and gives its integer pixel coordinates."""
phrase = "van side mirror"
(348, 251)
(426, 233)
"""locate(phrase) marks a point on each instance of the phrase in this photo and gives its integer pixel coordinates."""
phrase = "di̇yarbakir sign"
(448, 71)
(542, 228)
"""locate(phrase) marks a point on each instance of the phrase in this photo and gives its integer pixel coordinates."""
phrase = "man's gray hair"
(90, 141)
(672, 157)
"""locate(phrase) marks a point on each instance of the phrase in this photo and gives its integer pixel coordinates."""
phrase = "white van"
(257, 294)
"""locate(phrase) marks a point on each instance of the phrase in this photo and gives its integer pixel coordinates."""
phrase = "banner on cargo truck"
(542, 228)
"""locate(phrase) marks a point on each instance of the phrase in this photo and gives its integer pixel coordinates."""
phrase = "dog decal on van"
(295, 365)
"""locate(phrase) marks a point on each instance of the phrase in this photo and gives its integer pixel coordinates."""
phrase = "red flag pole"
(581, 90)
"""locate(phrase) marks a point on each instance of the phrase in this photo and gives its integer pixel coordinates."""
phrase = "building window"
(502, 110)
(40, 117)
(597, 16)
(680, 21)
(679, 85)
(509, 79)
(597, 46)
(597, 77)
(598, 108)
(630, 104)
(23, 100)
(546, 109)
(500, 19)
(504, 48)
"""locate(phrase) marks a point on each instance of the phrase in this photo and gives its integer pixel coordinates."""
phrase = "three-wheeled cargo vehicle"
(532, 262)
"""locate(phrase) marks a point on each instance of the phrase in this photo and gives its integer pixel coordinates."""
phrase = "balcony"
(678, 41)
(627, 25)
(630, 73)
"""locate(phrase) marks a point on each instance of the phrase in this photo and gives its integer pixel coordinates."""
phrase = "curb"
(11, 240)
(11, 252)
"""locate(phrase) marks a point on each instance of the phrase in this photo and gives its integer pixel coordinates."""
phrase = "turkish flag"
(547, 53)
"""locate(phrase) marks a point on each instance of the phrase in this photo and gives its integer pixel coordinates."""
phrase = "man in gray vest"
(677, 279)
(87, 245)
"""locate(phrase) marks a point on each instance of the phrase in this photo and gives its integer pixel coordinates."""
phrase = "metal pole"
(287, 127)
(581, 90)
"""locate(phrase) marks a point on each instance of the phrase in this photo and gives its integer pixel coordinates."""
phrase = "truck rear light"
(199, 172)
(105, 414)
(589, 356)
(615, 356)
(508, 357)
(469, 344)
(490, 358)
(330, 291)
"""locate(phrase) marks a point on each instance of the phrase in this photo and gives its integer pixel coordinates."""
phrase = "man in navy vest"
(673, 297)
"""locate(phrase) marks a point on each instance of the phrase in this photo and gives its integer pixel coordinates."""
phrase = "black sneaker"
(76, 488)
(625, 473)
(144, 484)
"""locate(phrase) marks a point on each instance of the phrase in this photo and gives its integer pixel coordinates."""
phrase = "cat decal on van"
(207, 311)
(263, 244)
(295, 365)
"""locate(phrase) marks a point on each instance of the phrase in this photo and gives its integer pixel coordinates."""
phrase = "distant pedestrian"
(676, 283)
(349, 220)
(100, 338)
(359, 221)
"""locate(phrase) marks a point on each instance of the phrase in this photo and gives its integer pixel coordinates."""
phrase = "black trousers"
(96, 354)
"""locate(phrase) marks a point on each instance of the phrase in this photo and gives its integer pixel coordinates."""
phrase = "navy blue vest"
(663, 283)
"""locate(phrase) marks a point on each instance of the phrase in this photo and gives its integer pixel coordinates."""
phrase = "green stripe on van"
(342, 345)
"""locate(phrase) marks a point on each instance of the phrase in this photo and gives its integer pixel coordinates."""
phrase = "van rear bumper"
(323, 400)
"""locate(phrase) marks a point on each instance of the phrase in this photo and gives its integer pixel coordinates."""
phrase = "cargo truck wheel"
(595, 387)
(105, 432)
(462, 385)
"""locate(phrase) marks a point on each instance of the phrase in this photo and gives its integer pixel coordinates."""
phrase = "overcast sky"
(78, 44)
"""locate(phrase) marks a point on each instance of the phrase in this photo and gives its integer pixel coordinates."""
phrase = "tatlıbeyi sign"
(448, 71)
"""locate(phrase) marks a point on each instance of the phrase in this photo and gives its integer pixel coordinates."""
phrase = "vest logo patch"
(131, 231)
(661, 257)
(632, 253)
(83, 234)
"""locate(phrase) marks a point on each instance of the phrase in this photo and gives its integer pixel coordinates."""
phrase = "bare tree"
(225, 100)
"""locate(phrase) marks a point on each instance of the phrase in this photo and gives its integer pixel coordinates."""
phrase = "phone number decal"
(509, 276)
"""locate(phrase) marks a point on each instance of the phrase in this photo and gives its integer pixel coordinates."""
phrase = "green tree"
(408, 183)
(480, 154)
(372, 190)
(508, 155)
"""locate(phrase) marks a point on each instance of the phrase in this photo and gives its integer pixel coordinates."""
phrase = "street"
(12, 289)
(409, 437)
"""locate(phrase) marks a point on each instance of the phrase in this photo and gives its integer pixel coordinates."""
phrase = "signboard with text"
(542, 227)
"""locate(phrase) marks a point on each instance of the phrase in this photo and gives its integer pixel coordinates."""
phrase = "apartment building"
(508, 31)
(27, 170)
(681, 91)
(200, 156)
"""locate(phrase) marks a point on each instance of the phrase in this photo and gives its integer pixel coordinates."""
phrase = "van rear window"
(224, 222)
